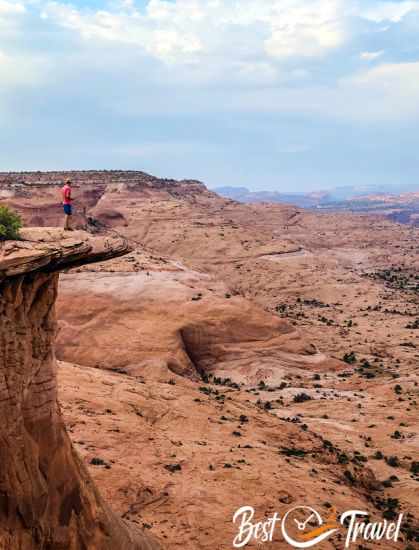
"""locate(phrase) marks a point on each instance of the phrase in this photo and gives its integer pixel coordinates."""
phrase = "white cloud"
(306, 28)
(11, 8)
(389, 11)
(20, 70)
(176, 31)
(371, 56)
(386, 93)
(177, 12)
(165, 42)
(18, 66)
(10, 16)
(191, 56)
(225, 40)
(393, 84)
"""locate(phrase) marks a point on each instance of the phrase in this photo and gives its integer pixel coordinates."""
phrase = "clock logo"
(303, 526)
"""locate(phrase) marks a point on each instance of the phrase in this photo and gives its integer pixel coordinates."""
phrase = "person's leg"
(67, 212)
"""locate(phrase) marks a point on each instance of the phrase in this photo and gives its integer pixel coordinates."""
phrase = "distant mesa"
(399, 202)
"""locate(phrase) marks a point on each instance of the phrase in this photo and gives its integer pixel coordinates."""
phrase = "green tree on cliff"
(10, 223)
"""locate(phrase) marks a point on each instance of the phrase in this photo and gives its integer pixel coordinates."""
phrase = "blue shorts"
(67, 209)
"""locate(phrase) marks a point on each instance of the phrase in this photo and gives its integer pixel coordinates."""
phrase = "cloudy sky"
(270, 94)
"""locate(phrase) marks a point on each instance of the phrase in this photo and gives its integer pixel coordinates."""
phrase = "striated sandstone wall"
(47, 499)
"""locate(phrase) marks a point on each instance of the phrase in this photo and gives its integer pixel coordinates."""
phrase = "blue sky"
(271, 94)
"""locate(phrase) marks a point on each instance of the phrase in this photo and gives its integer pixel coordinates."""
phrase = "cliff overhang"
(47, 498)
(53, 249)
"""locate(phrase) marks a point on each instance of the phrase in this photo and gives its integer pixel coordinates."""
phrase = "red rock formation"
(47, 499)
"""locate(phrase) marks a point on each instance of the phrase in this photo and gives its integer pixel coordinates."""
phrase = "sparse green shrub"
(349, 476)
(300, 453)
(301, 397)
(172, 468)
(393, 461)
(97, 461)
(343, 458)
(10, 223)
(350, 358)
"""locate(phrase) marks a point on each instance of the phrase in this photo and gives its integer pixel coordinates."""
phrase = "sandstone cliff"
(47, 499)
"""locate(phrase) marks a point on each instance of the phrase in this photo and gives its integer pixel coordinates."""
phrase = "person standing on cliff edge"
(67, 200)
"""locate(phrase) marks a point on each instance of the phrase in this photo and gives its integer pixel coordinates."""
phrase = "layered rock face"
(99, 195)
(47, 499)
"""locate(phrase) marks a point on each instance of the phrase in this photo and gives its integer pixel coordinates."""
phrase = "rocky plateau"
(223, 355)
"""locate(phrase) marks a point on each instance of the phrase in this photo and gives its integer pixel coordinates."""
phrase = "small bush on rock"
(10, 223)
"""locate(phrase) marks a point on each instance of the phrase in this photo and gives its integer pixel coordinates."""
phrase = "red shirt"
(66, 194)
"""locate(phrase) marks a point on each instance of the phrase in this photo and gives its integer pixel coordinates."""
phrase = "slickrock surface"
(177, 321)
(47, 498)
(316, 430)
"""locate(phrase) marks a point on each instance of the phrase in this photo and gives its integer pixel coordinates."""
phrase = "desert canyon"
(205, 355)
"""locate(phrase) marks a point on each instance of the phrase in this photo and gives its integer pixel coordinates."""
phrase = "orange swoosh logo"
(319, 530)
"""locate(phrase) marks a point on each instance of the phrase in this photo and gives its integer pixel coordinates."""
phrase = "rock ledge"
(53, 249)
